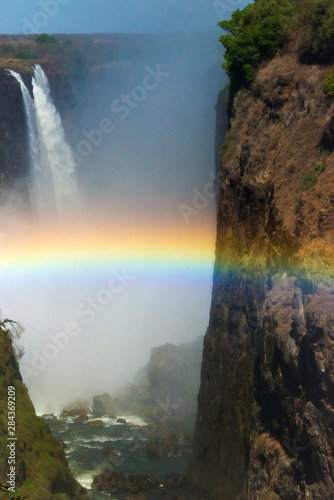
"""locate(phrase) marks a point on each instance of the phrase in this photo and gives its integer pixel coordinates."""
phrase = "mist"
(131, 267)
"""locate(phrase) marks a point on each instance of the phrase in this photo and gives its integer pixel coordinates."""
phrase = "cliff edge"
(265, 424)
(40, 468)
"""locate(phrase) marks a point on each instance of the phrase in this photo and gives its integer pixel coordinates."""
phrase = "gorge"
(265, 417)
(61, 285)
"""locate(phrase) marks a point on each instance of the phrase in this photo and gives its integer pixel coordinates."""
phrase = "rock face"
(174, 374)
(13, 141)
(166, 441)
(77, 405)
(168, 384)
(104, 405)
(265, 424)
(41, 468)
(111, 481)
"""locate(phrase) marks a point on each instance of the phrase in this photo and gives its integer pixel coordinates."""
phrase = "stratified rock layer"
(265, 425)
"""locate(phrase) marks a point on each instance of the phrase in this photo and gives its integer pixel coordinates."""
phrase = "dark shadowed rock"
(108, 450)
(109, 480)
(265, 423)
(81, 418)
(138, 496)
(121, 421)
(143, 481)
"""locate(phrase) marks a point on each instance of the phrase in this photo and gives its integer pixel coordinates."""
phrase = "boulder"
(75, 412)
(104, 405)
(109, 480)
(95, 423)
(121, 421)
(142, 482)
(81, 418)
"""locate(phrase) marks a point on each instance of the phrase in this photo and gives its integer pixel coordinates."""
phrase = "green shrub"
(320, 167)
(6, 49)
(255, 34)
(318, 30)
(265, 28)
(45, 38)
(328, 86)
(308, 181)
(26, 51)
(227, 144)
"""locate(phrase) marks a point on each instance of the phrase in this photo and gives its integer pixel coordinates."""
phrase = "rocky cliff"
(265, 425)
(41, 470)
(12, 130)
(168, 384)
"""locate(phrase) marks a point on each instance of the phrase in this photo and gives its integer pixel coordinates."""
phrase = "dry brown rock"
(265, 425)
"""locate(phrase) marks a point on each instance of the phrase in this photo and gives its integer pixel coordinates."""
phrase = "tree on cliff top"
(265, 28)
(13, 330)
(45, 38)
(256, 33)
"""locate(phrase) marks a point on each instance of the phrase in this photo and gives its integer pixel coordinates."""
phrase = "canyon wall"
(265, 424)
(13, 141)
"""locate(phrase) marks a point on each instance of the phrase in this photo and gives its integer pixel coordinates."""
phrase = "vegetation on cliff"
(266, 28)
(41, 469)
(79, 54)
(45, 38)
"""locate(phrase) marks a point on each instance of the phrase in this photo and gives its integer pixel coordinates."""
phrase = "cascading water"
(53, 183)
(58, 152)
(35, 185)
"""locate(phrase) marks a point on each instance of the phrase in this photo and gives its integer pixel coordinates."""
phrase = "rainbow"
(50, 250)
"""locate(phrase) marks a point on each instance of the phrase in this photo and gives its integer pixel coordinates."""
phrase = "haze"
(113, 16)
(133, 184)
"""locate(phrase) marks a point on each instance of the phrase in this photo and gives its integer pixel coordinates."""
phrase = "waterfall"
(35, 184)
(53, 184)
